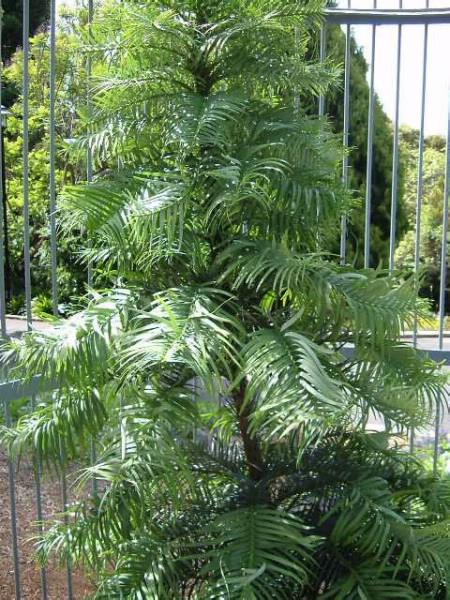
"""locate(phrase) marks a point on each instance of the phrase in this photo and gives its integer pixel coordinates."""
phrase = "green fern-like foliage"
(234, 457)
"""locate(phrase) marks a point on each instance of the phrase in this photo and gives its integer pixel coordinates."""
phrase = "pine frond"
(78, 350)
(191, 326)
(289, 380)
(398, 382)
(366, 583)
(260, 548)
(60, 428)
(372, 304)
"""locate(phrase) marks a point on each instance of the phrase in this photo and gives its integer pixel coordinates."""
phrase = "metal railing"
(11, 391)
(348, 18)
(399, 17)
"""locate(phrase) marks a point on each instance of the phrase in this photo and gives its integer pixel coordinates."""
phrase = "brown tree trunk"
(252, 449)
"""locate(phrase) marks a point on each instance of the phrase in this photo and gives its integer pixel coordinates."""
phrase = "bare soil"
(30, 576)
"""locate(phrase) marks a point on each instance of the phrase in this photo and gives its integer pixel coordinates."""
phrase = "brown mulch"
(30, 577)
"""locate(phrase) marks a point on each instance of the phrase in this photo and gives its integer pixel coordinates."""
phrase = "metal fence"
(17, 390)
(347, 18)
(400, 18)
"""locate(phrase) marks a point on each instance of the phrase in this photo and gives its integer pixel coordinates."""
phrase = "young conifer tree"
(234, 456)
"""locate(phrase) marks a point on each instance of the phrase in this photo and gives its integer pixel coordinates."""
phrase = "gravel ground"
(26, 509)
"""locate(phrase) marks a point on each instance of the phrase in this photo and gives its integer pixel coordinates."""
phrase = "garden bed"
(26, 512)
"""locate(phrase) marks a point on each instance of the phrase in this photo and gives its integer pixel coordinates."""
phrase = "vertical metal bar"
(64, 499)
(52, 132)
(2, 241)
(7, 255)
(437, 429)
(89, 177)
(40, 516)
(323, 50)
(346, 132)
(89, 166)
(419, 196)
(11, 478)
(93, 461)
(443, 282)
(297, 101)
(370, 126)
(39, 511)
(26, 169)
(12, 501)
(322, 53)
(395, 153)
(412, 439)
(53, 240)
